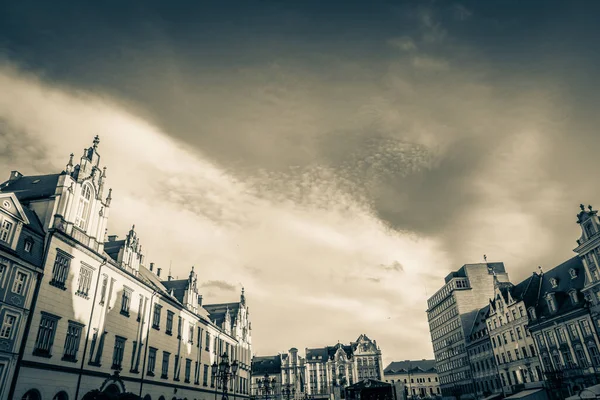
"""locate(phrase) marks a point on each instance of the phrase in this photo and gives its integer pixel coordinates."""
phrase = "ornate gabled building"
(418, 377)
(285, 372)
(103, 320)
(331, 368)
(512, 344)
(21, 258)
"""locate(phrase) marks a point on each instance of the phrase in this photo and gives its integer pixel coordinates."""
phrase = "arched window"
(62, 395)
(83, 209)
(32, 394)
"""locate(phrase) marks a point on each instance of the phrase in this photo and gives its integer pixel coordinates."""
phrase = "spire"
(109, 198)
(243, 297)
(69, 168)
(96, 141)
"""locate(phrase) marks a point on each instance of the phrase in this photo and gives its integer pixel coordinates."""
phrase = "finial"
(96, 141)
(484, 258)
(70, 164)
(104, 172)
(540, 268)
(582, 207)
(590, 207)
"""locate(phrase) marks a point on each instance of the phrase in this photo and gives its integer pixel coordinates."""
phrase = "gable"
(10, 205)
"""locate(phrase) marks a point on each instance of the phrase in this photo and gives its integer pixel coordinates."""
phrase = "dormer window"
(551, 303)
(83, 209)
(573, 273)
(28, 245)
(573, 296)
(531, 312)
(554, 283)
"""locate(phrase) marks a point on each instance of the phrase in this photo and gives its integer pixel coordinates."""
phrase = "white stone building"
(419, 377)
(104, 321)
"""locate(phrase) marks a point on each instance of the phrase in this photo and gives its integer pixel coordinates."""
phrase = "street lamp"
(266, 385)
(224, 372)
(288, 390)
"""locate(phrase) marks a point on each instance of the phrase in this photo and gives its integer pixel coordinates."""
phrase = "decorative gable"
(11, 206)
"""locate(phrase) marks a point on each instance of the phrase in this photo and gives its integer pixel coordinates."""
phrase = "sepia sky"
(337, 159)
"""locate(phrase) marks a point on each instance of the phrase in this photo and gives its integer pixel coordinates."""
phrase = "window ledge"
(58, 284)
(163, 376)
(134, 371)
(186, 381)
(42, 353)
(94, 364)
(157, 327)
(150, 373)
(69, 359)
(170, 333)
(117, 367)
(82, 294)
(125, 313)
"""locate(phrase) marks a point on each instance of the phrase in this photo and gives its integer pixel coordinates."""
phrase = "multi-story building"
(103, 320)
(21, 257)
(330, 369)
(419, 377)
(481, 356)
(286, 371)
(513, 346)
(451, 312)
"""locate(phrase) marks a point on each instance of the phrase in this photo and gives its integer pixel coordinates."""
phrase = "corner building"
(451, 313)
(104, 321)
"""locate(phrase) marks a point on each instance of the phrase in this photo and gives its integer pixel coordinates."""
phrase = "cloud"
(219, 285)
(403, 43)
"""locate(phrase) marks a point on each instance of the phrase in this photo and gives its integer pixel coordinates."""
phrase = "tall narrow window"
(191, 334)
(83, 209)
(126, 301)
(165, 365)
(6, 228)
(45, 335)
(188, 368)
(151, 361)
(85, 281)
(60, 270)
(156, 316)
(19, 283)
(169, 330)
(118, 351)
(205, 376)
(179, 323)
(207, 341)
(3, 269)
(103, 290)
(8, 326)
(72, 341)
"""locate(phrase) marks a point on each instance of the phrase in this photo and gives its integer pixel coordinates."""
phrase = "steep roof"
(32, 187)
(112, 248)
(217, 312)
(565, 283)
(266, 365)
(178, 286)
(34, 222)
(478, 330)
(412, 366)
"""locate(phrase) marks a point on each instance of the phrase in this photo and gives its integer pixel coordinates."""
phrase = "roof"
(112, 248)
(32, 187)
(34, 222)
(479, 328)
(328, 352)
(524, 393)
(368, 384)
(564, 285)
(418, 366)
(266, 365)
(178, 287)
(217, 312)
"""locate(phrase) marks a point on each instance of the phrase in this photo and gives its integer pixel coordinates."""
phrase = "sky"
(336, 159)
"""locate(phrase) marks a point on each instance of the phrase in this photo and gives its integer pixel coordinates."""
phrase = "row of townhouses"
(322, 374)
(82, 312)
(491, 337)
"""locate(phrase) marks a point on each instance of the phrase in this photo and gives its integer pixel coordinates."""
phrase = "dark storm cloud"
(473, 123)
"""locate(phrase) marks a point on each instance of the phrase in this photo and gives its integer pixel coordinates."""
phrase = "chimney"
(158, 272)
(151, 266)
(14, 175)
(200, 300)
(112, 238)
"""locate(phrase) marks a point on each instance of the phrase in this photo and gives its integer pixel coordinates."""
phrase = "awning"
(524, 393)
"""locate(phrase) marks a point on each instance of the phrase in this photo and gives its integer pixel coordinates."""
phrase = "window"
(589, 229)
(126, 301)
(581, 358)
(560, 333)
(573, 273)
(19, 283)
(191, 334)
(188, 368)
(118, 353)
(165, 365)
(104, 287)
(531, 311)
(133, 368)
(196, 373)
(532, 350)
(45, 335)
(573, 295)
(585, 327)
(72, 341)
(85, 281)
(169, 330)
(207, 341)
(83, 209)
(28, 245)
(205, 376)
(151, 361)
(179, 323)
(2, 270)
(156, 317)
(594, 354)
(519, 335)
(554, 283)
(5, 230)
(60, 271)
(8, 326)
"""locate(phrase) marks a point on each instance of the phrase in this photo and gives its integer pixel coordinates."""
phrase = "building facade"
(286, 373)
(330, 369)
(481, 356)
(104, 320)
(419, 377)
(513, 345)
(21, 258)
(451, 313)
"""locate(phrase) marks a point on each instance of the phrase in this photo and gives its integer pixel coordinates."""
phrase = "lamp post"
(223, 373)
(266, 385)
